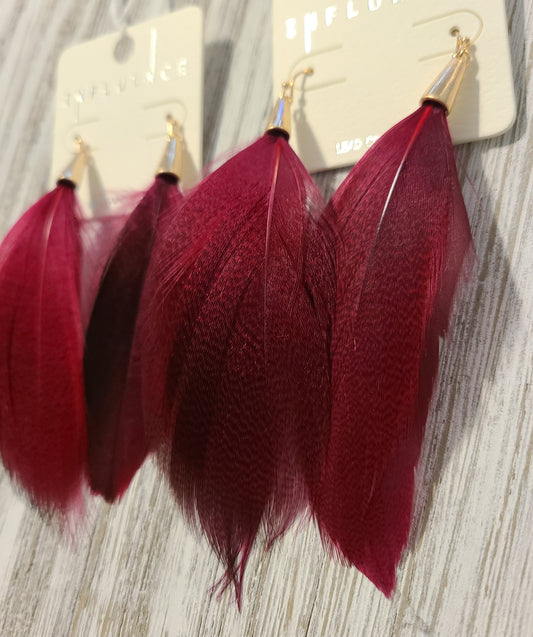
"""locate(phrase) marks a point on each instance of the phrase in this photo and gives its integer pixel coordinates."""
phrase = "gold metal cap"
(280, 119)
(446, 86)
(172, 160)
(75, 169)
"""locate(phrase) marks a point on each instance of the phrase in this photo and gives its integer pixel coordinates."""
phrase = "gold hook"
(463, 43)
(287, 88)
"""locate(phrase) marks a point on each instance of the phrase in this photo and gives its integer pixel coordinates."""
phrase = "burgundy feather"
(239, 378)
(116, 440)
(42, 414)
(98, 235)
(403, 236)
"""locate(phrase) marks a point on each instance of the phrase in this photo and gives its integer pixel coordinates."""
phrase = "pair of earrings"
(274, 351)
(50, 266)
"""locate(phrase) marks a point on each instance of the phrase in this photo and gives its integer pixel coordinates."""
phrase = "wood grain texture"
(135, 569)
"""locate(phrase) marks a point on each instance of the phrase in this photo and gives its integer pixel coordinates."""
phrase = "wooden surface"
(135, 569)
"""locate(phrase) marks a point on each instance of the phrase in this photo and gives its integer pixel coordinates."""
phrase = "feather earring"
(97, 238)
(116, 441)
(42, 413)
(237, 343)
(98, 234)
(403, 240)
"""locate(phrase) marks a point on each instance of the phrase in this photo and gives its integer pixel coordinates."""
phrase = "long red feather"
(116, 440)
(240, 387)
(42, 412)
(403, 236)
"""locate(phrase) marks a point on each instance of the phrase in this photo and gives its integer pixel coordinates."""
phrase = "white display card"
(116, 92)
(372, 61)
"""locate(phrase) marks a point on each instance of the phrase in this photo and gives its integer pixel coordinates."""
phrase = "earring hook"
(287, 88)
(463, 43)
(280, 119)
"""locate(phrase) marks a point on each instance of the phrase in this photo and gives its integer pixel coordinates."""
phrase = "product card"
(372, 61)
(116, 91)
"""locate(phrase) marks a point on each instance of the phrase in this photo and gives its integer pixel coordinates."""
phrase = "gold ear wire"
(463, 43)
(280, 119)
(446, 86)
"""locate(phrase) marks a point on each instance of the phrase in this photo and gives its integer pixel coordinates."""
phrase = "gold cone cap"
(446, 86)
(73, 173)
(280, 118)
(172, 161)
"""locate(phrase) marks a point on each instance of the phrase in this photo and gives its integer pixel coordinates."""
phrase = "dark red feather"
(116, 440)
(403, 236)
(98, 235)
(240, 384)
(42, 412)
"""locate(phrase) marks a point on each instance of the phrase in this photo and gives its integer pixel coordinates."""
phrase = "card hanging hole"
(124, 48)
